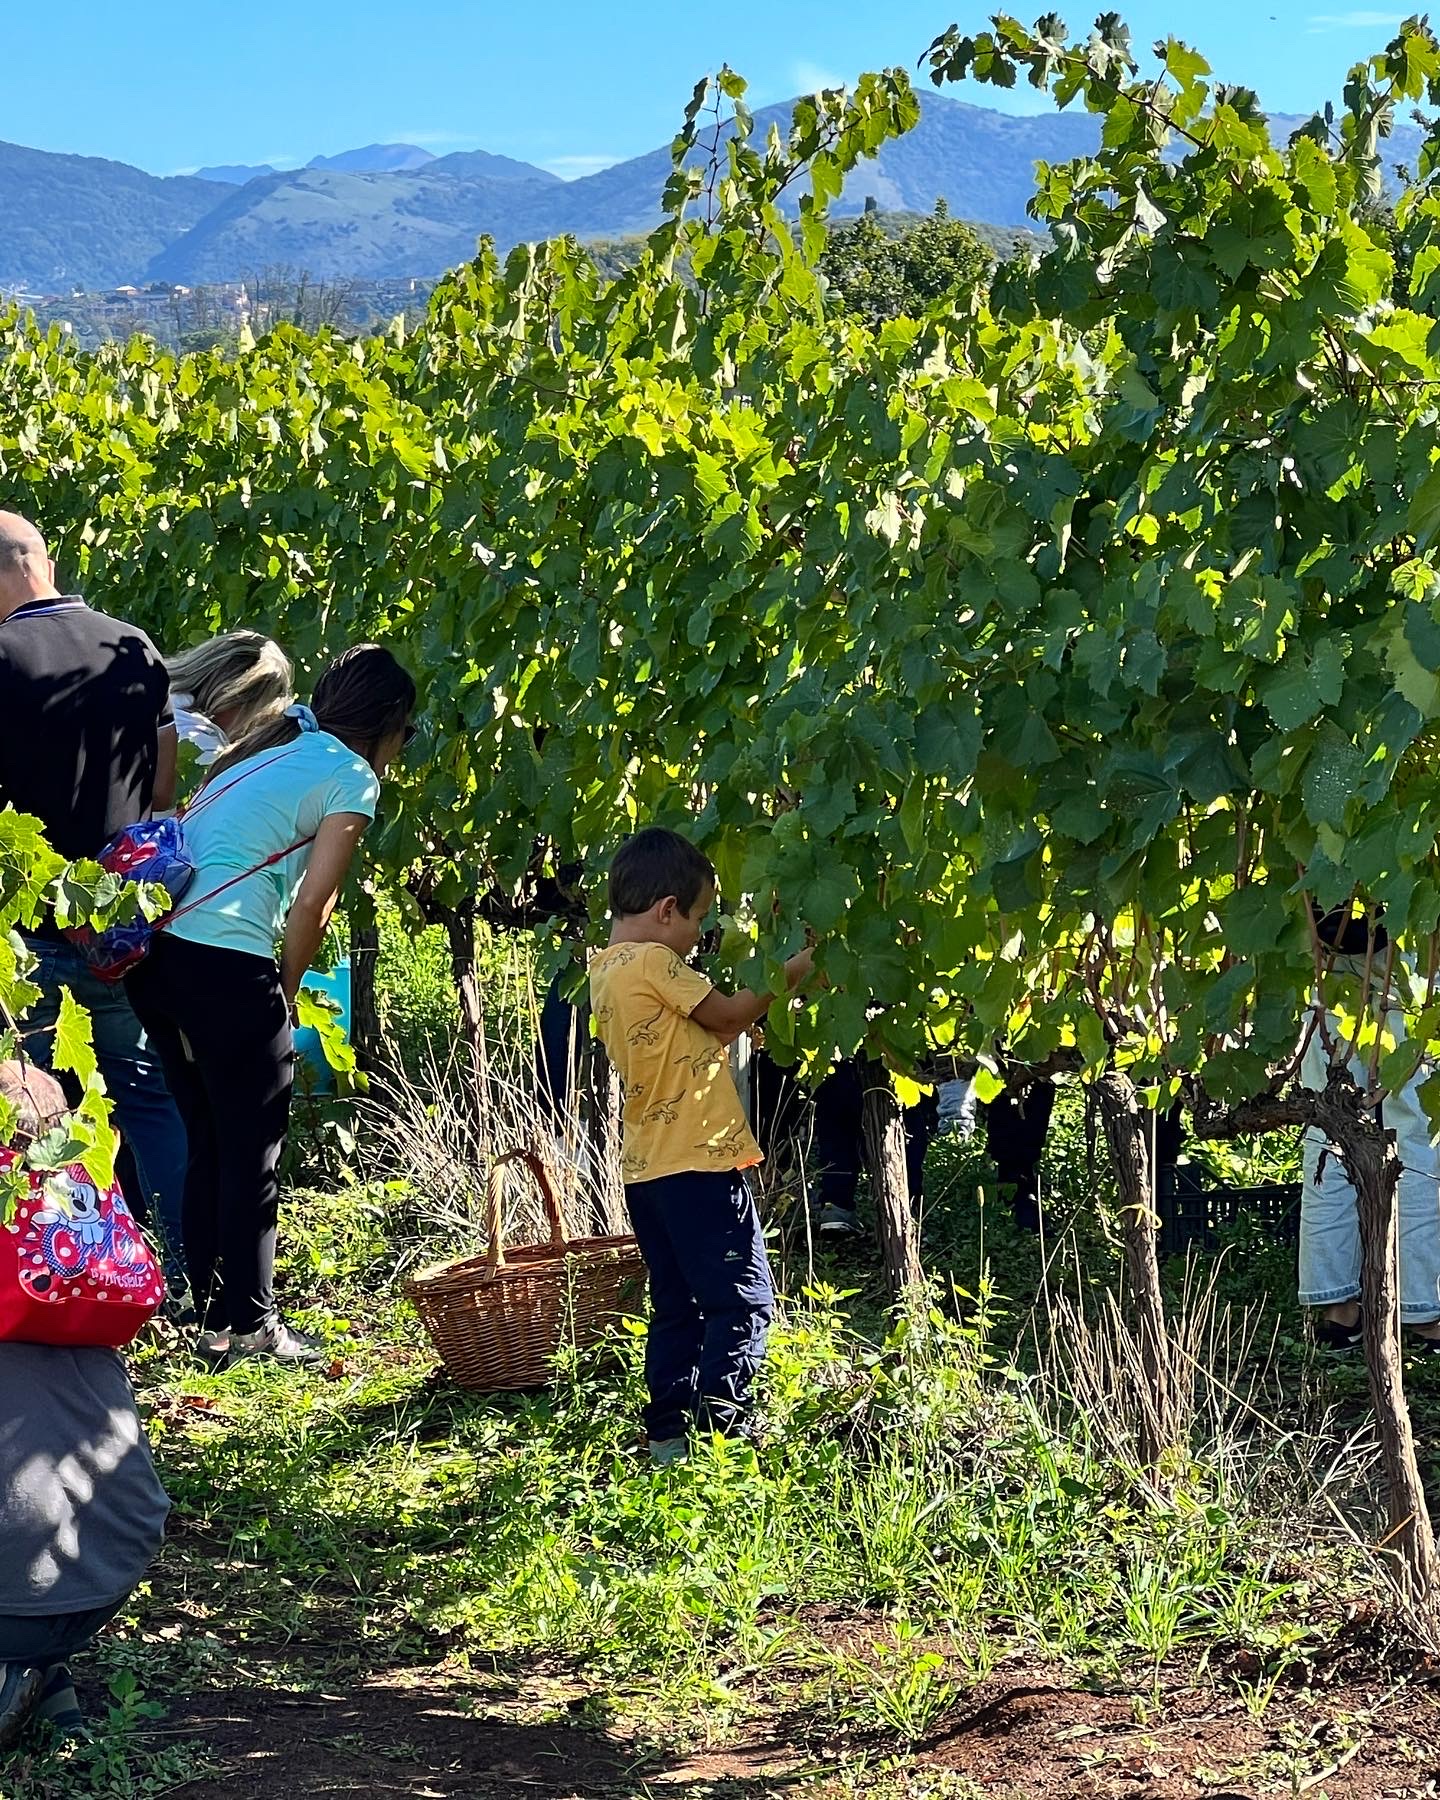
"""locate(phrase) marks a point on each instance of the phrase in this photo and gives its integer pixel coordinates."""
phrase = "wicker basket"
(497, 1320)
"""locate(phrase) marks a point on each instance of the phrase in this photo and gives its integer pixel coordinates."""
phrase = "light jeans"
(148, 1118)
(957, 1107)
(1329, 1210)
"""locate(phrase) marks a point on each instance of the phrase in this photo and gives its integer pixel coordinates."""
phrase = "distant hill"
(980, 162)
(374, 159)
(332, 223)
(494, 168)
(84, 222)
(234, 174)
(393, 210)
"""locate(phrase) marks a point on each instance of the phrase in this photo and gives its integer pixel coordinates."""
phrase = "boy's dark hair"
(653, 865)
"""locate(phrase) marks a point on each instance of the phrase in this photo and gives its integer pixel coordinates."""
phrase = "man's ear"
(666, 909)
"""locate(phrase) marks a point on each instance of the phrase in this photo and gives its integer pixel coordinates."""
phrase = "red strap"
(244, 875)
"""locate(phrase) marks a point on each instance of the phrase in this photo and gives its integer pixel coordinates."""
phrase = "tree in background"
(891, 266)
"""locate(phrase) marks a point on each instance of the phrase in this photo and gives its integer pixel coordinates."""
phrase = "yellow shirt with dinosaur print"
(681, 1110)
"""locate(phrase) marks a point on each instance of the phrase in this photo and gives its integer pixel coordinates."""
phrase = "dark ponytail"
(363, 698)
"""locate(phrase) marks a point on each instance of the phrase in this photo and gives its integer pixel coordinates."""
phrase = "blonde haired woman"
(227, 689)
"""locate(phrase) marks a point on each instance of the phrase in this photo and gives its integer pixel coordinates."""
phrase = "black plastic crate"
(1193, 1215)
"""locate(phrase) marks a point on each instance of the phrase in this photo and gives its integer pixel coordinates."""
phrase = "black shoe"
(838, 1221)
(1330, 1335)
(20, 1688)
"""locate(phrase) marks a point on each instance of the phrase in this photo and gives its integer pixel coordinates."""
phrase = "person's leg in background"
(921, 1123)
(675, 1336)
(1015, 1129)
(839, 1146)
(956, 1107)
(557, 1048)
(781, 1116)
(153, 1163)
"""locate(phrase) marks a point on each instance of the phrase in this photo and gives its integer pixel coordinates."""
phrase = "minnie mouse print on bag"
(75, 1268)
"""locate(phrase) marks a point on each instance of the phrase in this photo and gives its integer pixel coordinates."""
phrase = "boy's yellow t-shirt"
(681, 1110)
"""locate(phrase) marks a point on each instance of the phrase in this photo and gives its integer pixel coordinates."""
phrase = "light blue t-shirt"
(262, 805)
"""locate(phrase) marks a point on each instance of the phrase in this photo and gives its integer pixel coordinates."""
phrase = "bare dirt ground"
(401, 1734)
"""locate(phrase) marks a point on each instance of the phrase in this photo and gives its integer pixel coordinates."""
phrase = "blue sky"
(572, 84)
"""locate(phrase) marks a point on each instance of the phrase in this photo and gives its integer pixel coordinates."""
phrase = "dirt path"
(400, 1735)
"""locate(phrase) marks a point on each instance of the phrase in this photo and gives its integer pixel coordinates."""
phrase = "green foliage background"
(1028, 650)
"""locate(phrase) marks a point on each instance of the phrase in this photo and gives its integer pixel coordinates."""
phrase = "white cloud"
(809, 77)
(572, 167)
(1355, 21)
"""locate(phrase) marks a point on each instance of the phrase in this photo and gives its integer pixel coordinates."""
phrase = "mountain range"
(390, 210)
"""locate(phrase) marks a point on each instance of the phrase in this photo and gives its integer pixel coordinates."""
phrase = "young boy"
(686, 1144)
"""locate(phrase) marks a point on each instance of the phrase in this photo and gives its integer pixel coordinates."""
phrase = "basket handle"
(495, 1197)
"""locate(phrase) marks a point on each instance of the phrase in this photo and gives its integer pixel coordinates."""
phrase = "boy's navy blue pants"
(711, 1298)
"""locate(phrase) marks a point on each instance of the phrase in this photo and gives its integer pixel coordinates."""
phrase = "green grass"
(925, 1504)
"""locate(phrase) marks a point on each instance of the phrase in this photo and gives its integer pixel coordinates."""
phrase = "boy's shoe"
(666, 1452)
(59, 1706)
(20, 1688)
(838, 1221)
(1331, 1335)
(276, 1342)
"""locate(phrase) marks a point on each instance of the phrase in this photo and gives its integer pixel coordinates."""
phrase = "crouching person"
(82, 1511)
(686, 1143)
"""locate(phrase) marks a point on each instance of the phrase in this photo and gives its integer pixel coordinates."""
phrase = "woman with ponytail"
(272, 833)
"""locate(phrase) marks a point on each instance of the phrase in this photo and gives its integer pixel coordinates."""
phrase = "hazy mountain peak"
(234, 174)
(374, 159)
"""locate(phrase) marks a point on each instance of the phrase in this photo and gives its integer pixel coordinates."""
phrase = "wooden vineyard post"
(364, 1008)
(1126, 1132)
(460, 930)
(600, 1121)
(884, 1125)
(1373, 1165)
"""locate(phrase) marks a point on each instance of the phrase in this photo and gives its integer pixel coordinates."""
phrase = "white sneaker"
(279, 1342)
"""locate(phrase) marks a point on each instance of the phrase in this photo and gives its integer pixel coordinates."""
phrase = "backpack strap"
(244, 875)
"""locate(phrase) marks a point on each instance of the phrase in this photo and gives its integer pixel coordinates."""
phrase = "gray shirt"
(82, 1511)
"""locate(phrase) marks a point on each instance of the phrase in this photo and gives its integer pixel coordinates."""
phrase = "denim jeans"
(711, 1298)
(1329, 1210)
(149, 1121)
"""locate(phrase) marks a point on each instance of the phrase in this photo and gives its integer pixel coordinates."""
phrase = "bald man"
(87, 744)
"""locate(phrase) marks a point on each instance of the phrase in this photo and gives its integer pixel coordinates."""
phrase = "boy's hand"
(801, 966)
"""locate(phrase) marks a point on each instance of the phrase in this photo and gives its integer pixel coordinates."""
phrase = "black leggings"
(222, 1029)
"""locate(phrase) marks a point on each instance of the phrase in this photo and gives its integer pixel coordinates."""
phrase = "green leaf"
(74, 1051)
(1332, 776)
(1425, 510)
